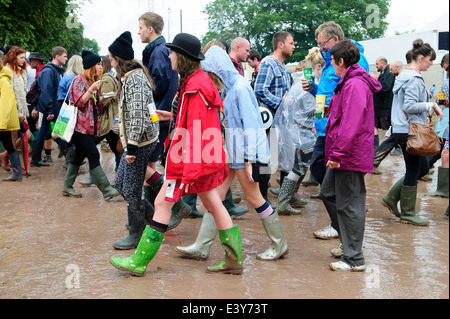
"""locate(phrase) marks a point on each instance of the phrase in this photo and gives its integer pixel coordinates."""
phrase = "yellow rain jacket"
(9, 118)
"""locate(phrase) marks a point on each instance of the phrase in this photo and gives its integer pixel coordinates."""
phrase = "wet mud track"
(54, 247)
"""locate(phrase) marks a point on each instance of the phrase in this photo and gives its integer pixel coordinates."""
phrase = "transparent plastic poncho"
(294, 121)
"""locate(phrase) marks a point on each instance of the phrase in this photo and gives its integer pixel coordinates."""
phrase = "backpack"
(33, 94)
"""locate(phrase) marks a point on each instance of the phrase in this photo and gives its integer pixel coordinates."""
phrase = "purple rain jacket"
(350, 129)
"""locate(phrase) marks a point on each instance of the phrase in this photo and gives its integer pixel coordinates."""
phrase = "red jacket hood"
(200, 81)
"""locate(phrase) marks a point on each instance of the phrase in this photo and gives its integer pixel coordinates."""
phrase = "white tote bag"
(67, 120)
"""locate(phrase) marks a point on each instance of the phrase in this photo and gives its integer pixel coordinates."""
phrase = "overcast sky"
(105, 20)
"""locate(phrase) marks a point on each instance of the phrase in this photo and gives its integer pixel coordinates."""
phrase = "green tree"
(258, 20)
(91, 45)
(40, 25)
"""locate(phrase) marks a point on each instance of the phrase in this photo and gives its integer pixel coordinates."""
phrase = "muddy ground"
(54, 247)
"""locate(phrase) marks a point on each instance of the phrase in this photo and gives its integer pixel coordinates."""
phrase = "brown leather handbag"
(422, 140)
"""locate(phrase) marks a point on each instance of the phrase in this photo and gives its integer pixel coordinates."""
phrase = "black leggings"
(5, 137)
(85, 147)
(416, 166)
(112, 139)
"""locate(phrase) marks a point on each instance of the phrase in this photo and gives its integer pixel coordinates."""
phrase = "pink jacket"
(87, 121)
(350, 128)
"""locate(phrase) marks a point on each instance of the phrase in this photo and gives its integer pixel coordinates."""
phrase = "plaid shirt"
(272, 82)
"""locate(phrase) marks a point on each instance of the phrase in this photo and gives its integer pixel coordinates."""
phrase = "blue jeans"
(317, 164)
(383, 150)
(45, 132)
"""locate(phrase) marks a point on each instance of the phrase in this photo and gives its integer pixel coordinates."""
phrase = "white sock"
(293, 177)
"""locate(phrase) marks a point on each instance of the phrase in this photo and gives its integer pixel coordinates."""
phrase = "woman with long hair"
(84, 95)
(138, 134)
(410, 104)
(15, 61)
(195, 163)
(249, 155)
(9, 120)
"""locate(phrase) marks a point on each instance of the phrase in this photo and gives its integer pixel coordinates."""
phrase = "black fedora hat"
(188, 45)
(36, 55)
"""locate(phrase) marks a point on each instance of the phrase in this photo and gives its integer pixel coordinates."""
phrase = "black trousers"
(85, 147)
(5, 137)
(416, 166)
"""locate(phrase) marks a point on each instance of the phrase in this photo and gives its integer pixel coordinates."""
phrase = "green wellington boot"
(233, 209)
(179, 211)
(137, 263)
(69, 179)
(391, 200)
(286, 192)
(232, 263)
(311, 181)
(296, 202)
(442, 182)
(408, 207)
(206, 235)
(191, 200)
(103, 184)
(274, 230)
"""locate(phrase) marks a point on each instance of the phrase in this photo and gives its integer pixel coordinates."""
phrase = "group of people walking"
(168, 106)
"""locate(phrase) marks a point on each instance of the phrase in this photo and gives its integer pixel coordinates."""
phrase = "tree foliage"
(258, 20)
(40, 25)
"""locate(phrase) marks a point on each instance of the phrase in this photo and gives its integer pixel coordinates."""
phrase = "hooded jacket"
(196, 149)
(410, 97)
(9, 118)
(328, 82)
(349, 132)
(48, 83)
(245, 135)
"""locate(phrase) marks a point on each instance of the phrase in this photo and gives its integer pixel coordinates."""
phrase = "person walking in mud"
(327, 35)
(349, 153)
(249, 154)
(9, 121)
(139, 133)
(84, 95)
(155, 58)
(411, 105)
(192, 166)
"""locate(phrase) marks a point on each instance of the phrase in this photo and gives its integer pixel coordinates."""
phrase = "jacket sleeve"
(8, 105)
(107, 86)
(161, 73)
(135, 111)
(411, 104)
(249, 117)
(194, 125)
(79, 88)
(353, 108)
(387, 83)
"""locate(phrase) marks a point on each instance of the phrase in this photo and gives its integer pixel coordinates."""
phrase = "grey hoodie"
(410, 97)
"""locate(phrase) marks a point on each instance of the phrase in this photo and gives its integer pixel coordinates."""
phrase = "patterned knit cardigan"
(136, 127)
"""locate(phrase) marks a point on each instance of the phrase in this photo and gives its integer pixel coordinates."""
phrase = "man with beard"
(273, 81)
